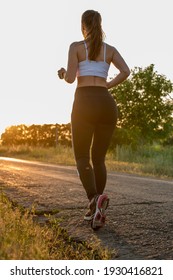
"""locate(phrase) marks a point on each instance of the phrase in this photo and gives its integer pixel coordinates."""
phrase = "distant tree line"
(145, 110)
(47, 135)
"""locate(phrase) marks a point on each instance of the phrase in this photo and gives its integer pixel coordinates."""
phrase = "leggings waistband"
(90, 90)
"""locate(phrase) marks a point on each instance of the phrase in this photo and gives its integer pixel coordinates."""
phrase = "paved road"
(139, 222)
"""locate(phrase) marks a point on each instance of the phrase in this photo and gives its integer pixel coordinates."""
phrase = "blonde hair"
(91, 20)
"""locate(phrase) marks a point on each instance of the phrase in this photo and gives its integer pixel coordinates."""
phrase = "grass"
(152, 160)
(59, 155)
(21, 239)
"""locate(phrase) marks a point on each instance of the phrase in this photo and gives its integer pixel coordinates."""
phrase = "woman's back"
(93, 72)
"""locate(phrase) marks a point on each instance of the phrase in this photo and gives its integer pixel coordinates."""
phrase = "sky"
(35, 38)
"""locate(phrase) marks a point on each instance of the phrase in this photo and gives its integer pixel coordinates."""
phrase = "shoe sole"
(88, 218)
(100, 213)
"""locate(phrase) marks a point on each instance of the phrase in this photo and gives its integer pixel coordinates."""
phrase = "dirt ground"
(139, 222)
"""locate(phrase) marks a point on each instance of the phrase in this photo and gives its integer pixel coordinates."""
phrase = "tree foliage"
(145, 107)
(47, 135)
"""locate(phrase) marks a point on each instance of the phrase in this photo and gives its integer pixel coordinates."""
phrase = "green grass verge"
(21, 239)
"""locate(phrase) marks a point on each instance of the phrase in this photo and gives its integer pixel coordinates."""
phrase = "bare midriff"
(85, 81)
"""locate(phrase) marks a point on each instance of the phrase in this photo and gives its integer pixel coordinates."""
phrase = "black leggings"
(93, 119)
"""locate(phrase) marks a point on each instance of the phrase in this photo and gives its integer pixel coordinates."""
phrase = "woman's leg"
(102, 137)
(82, 133)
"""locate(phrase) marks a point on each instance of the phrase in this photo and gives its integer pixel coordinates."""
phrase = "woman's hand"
(61, 73)
(108, 85)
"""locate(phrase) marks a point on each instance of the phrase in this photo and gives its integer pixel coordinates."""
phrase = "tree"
(14, 135)
(47, 135)
(145, 107)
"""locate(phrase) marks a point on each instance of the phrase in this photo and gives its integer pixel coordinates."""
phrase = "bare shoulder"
(75, 45)
(111, 48)
(111, 52)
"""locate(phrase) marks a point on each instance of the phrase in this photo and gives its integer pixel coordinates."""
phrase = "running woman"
(94, 112)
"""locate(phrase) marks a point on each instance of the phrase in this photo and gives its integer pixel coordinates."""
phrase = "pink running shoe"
(100, 212)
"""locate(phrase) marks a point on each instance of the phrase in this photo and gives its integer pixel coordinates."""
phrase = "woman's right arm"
(69, 75)
(123, 68)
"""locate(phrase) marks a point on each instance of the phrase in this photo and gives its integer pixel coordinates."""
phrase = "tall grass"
(59, 155)
(18, 238)
(153, 160)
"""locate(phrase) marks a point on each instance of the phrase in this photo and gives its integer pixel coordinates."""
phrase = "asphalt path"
(139, 221)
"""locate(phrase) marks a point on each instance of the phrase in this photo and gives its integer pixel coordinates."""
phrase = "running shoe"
(99, 218)
(89, 215)
(92, 208)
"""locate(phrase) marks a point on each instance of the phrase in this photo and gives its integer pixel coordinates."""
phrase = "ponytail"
(94, 33)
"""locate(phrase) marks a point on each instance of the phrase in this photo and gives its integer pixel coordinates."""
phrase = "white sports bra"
(92, 67)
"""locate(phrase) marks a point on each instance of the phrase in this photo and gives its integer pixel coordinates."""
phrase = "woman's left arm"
(69, 75)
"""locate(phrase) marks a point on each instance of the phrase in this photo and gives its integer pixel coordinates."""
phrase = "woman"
(94, 112)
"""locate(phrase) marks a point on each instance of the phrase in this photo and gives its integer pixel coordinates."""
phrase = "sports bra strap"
(86, 50)
(104, 52)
